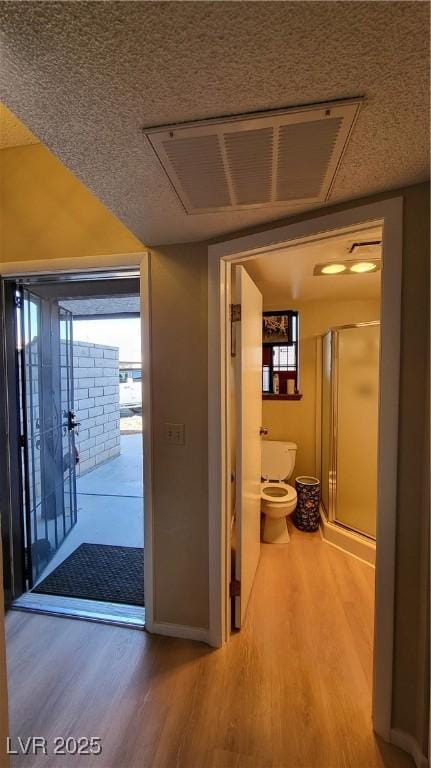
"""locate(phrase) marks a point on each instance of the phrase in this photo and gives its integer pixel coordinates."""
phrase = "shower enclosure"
(349, 426)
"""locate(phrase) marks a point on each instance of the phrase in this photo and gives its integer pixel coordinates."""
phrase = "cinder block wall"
(97, 403)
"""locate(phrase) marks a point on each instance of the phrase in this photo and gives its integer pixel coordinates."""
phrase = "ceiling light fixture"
(363, 266)
(349, 267)
(333, 269)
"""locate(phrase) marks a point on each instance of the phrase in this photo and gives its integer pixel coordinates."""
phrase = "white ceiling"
(86, 77)
(287, 275)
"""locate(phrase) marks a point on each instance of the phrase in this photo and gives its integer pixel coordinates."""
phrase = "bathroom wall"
(295, 420)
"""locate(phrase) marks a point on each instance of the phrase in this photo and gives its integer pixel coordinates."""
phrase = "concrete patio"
(110, 504)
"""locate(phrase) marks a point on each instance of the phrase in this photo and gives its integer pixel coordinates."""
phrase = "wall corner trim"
(409, 744)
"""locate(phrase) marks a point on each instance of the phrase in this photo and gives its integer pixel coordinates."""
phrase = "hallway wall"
(46, 213)
(180, 395)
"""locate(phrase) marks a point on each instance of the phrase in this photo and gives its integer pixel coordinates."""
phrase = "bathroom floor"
(293, 688)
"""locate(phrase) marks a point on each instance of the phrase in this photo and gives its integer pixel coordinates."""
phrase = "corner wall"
(412, 621)
(179, 395)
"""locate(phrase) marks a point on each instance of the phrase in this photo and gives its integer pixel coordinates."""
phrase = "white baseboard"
(352, 543)
(178, 630)
(410, 745)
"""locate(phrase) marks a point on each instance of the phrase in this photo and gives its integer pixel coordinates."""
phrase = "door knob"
(263, 431)
(72, 423)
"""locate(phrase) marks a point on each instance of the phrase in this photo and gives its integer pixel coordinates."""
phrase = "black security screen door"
(48, 453)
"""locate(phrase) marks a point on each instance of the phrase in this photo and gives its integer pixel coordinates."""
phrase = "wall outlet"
(175, 434)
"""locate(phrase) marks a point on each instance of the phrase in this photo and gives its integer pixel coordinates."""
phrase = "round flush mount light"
(333, 269)
(363, 266)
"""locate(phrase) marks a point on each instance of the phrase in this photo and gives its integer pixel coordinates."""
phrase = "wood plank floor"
(291, 690)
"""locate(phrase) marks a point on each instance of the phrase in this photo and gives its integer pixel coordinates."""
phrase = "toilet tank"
(278, 459)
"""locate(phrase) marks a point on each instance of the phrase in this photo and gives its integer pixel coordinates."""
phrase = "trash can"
(306, 516)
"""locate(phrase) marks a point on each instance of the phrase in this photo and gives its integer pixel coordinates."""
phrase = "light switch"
(175, 434)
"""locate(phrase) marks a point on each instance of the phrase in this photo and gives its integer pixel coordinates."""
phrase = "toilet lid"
(278, 492)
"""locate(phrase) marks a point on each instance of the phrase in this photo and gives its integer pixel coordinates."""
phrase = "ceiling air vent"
(287, 157)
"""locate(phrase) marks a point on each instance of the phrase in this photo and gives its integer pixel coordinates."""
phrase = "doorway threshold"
(131, 616)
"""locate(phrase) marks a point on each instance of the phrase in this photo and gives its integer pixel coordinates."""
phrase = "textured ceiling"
(85, 77)
(12, 132)
(287, 274)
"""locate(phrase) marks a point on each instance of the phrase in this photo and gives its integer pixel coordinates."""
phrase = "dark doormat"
(99, 572)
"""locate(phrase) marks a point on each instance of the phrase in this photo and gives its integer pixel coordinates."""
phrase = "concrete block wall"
(97, 403)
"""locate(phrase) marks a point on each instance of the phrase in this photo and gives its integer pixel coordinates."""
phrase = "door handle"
(71, 421)
(263, 431)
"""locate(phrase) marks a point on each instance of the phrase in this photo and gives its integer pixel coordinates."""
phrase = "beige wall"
(179, 390)
(295, 420)
(411, 662)
(46, 213)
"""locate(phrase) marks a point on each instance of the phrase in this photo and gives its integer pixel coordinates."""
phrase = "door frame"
(139, 261)
(220, 258)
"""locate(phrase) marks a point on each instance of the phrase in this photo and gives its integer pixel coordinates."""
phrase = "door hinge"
(234, 588)
(234, 317)
(18, 300)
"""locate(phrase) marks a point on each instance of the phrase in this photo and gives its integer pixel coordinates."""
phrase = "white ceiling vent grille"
(277, 158)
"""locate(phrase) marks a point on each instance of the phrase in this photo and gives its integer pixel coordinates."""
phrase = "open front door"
(248, 389)
(48, 453)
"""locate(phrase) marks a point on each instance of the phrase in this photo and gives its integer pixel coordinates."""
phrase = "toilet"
(278, 500)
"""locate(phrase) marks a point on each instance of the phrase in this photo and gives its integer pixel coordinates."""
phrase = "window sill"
(271, 396)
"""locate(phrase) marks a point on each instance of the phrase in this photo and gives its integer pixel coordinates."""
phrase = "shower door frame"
(333, 420)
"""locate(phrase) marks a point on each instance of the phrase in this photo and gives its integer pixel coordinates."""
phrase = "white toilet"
(278, 498)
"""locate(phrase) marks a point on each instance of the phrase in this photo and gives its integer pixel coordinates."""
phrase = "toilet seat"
(277, 493)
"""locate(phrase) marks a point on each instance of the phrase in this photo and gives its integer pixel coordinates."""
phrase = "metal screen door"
(48, 453)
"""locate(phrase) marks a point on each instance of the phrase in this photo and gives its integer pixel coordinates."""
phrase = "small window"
(280, 355)
(137, 375)
(122, 377)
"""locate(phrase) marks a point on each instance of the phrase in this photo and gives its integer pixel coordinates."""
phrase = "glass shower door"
(356, 373)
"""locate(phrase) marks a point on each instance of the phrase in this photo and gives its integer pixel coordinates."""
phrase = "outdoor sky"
(124, 333)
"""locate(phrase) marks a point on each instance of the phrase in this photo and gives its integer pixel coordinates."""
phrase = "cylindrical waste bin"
(306, 516)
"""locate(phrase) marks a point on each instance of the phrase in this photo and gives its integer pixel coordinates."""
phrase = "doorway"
(77, 522)
(221, 256)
